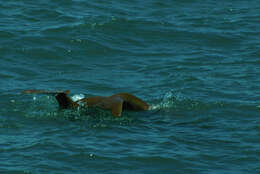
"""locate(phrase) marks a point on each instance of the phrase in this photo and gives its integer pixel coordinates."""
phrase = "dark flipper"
(132, 102)
(65, 101)
(115, 104)
(36, 91)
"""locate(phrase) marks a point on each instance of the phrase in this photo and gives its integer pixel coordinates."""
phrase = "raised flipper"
(36, 91)
(132, 102)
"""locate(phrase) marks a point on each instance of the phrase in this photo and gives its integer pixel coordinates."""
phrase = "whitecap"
(77, 97)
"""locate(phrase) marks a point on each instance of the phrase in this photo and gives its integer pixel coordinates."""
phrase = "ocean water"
(197, 63)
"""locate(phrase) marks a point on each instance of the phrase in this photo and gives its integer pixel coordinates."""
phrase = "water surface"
(195, 62)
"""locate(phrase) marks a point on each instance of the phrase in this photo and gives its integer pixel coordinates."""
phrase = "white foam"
(154, 107)
(77, 97)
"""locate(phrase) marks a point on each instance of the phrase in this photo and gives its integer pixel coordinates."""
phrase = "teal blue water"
(197, 63)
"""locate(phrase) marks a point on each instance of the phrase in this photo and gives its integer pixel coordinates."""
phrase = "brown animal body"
(116, 103)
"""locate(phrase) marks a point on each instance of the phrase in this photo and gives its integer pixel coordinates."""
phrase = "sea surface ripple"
(197, 63)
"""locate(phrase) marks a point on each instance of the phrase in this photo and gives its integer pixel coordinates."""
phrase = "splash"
(77, 97)
(166, 102)
(40, 107)
(174, 101)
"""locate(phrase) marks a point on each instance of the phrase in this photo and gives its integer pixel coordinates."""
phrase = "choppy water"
(196, 62)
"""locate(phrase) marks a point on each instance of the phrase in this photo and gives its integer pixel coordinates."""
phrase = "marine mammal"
(116, 103)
